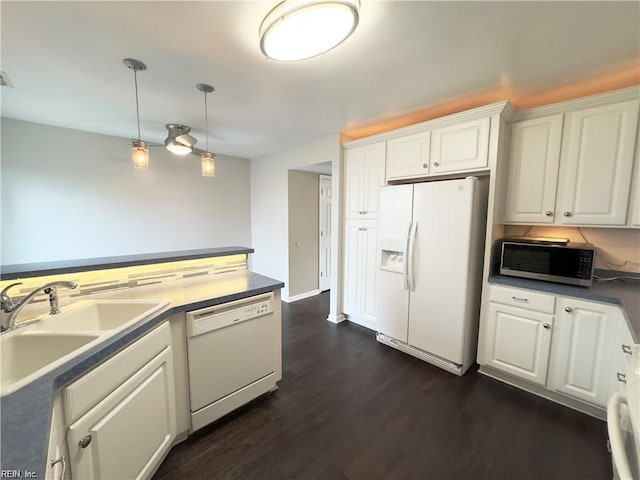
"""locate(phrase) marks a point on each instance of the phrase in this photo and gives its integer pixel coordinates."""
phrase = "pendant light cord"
(135, 81)
(206, 121)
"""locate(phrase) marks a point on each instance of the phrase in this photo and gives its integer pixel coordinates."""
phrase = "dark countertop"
(27, 270)
(624, 293)
(26, 413)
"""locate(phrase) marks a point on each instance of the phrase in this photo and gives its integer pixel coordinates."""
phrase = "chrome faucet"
(10, 309)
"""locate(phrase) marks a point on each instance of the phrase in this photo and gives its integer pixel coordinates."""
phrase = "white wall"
(68, 194)
(269, 203)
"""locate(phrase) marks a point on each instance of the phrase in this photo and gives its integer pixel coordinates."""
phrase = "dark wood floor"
(351, 408)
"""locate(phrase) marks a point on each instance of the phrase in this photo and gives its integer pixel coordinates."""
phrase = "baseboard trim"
(301, 296)
(336, 318)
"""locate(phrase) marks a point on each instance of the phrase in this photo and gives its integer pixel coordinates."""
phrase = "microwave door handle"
(616, 436)
(405, 266)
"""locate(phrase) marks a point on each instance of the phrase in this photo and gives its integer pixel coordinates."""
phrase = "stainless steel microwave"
(552, 261)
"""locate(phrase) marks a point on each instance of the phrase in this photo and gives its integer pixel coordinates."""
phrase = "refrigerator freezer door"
(442, 216)
(392, 299)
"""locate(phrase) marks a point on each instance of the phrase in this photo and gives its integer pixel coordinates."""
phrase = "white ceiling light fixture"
(207, 163)
(300, 29)
(179, 142)
(140, 151)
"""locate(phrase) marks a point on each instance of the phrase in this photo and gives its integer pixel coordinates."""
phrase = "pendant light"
(140, 151)
(300, 29)
(207, 164)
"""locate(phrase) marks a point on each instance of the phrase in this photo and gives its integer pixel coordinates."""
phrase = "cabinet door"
(369, 266)
(621, 355)
(596, 165)
(460, 147)
(408, 156)
(634, 202)
(129, 432)
(533, 170)
(353, 243)
(373, 179)
(353, 182)
(582, 349)
(517, 342)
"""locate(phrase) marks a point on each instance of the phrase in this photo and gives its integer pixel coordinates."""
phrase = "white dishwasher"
(234, 356)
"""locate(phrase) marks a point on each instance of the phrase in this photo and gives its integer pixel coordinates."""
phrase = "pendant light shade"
(140, 155)
(139, 152)
(207, 164)
(301, 29)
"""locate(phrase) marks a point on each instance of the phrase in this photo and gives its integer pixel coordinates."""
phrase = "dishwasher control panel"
(221, 316)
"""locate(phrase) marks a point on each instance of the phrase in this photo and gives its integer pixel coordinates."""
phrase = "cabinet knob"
(621, 377)
(626, 349)
(548, 213)
(436, 164)
(546, 325)
(568, 309)
(424, 165)
(85, 441)
(567, 214)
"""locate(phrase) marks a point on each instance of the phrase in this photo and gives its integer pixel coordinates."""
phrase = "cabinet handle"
(84, 442)
(548, 213)
(362, 229)
(626, 349)
(520, 299)
(436, 164)
(62, 460)
(567, 214)
(424, 165)
(546, 325)
(621, 377)
(568, 309)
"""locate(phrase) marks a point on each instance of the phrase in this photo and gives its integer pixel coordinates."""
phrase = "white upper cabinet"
(575, 167)
(364, 175)
(533, 170)
(634, 207)
(460, 147)
(596, 164)
(408, 156)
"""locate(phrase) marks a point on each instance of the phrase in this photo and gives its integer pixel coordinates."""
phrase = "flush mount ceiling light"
(139, 152)
(179, 142)
(301, 29)
(207, 164)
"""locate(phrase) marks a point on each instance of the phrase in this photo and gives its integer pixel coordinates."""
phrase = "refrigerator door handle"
(410, 254)
(405, 267)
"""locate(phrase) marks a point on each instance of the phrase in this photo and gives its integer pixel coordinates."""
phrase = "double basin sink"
(30, 352)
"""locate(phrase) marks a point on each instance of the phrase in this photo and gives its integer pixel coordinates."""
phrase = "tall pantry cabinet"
(364, 175)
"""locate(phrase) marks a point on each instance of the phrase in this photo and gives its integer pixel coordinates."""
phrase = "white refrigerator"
(429, 278)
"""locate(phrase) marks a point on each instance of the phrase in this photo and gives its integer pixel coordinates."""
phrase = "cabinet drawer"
(528, 299)
(87, 391)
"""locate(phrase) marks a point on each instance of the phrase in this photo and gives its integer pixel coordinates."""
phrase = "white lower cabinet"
(583, 350)
(566, 345)
(519, 341)
(360, 265)
(128, 428)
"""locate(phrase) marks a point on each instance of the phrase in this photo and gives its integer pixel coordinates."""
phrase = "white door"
(582, 351)
(439, 270)
(596, 165)
(460, 147)
(533, 170)
(128, 433)
(324, 241)
(408, 156)
(518, 342)
(392, 307)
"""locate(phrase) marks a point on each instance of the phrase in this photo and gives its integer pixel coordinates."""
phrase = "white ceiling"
(65, 61)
